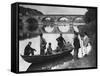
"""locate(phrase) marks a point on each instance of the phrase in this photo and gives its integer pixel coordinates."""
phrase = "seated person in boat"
(58, 49)
(49, 50)
(28, 50)
(61, 41)
(42, 44)
(68, 46)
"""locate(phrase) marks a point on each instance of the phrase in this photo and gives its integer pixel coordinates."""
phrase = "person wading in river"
(85, 42)
(76, 45)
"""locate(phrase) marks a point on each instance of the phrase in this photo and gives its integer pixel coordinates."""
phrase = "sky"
(58, 10)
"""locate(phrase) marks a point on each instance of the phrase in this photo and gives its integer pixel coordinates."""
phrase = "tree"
(90, 15)
(32, 24)
(90, 20)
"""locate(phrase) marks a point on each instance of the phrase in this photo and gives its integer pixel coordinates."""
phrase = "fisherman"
(42, 44)
(49, 49)
(28, 50)
(76, 45)
(61, 42)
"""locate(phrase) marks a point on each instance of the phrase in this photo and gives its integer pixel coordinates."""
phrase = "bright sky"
(58, 10)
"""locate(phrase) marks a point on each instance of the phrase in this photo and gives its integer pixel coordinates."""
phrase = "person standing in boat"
(28, 50)
(76, 44)
(61, 42)
(42, 44)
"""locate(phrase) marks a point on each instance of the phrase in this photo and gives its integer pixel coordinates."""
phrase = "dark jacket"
(60, 41)
(28, 50)
(76, 43)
